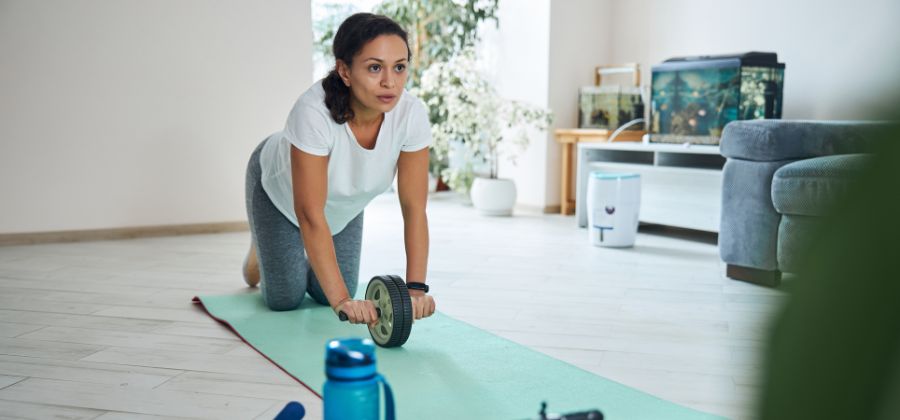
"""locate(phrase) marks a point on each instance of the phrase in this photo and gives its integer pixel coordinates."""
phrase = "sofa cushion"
(808, 187)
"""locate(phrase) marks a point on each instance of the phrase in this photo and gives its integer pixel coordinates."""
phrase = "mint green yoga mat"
(447, 370)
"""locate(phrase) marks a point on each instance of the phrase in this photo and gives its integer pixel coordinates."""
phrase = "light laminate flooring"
(106, 330)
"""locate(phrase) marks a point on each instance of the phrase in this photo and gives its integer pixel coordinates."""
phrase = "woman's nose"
(387, 80)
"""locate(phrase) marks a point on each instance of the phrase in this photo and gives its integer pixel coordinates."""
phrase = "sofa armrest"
(778, 140)
(748, 229)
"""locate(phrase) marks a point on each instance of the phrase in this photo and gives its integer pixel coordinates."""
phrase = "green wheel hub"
(391, 297)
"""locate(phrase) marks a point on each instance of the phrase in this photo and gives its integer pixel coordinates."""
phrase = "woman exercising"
(307, 186)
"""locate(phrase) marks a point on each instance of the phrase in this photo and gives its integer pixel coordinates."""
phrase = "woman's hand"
(423, 304)
(358, 311)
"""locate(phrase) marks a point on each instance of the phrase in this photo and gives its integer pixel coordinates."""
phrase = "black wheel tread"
(402, 312)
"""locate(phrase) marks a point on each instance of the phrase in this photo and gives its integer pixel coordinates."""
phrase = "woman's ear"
(344, 71)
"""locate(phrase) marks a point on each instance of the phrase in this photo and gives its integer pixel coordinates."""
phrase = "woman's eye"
(399, 68)
(375, 67)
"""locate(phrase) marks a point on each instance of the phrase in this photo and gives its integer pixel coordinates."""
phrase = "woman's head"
(371, 56)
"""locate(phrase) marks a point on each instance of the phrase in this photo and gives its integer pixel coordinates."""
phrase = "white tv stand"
(680, 185)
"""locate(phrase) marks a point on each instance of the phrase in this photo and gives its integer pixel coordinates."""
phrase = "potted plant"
(478, 125)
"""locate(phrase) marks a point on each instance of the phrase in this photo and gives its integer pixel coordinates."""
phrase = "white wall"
(120, 113)
(840, 55)
(516, 62)
(580, 34)
(541, 54)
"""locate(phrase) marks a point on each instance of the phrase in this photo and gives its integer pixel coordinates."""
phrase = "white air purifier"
(613, 205)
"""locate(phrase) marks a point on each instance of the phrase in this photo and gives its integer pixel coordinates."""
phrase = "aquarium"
(693, 98)
(609, 107)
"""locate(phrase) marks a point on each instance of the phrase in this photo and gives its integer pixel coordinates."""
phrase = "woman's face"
(378, 74)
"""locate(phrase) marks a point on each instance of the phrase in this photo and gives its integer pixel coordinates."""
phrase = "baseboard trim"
(531, 209)
(555, 209)
(7, 239)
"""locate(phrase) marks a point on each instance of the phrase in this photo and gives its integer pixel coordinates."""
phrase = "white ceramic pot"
(493, 197)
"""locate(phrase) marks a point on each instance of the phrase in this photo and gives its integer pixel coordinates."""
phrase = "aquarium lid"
(611, 89)
(751, 59)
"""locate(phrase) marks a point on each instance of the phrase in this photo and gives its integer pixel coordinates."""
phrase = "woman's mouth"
(386, 98)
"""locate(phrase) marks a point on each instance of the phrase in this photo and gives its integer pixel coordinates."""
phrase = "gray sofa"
(779, 178)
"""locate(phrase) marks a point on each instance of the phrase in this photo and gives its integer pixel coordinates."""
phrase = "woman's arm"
(412, 183)
(309, 174)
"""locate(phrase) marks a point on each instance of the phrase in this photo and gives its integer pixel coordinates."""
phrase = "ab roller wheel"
(394, 308)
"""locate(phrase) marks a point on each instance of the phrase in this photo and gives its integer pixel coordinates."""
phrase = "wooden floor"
(106, 330)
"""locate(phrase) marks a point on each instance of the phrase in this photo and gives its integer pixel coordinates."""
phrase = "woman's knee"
(283, 302)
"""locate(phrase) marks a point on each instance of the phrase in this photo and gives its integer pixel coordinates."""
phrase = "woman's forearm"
(320, 251)
(415, 232)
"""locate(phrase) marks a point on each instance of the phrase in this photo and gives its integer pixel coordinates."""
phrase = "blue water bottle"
(351, 390)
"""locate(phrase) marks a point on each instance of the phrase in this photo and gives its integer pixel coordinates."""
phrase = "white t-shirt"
(355, 174)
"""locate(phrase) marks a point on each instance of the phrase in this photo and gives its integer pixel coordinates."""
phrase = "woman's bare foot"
(251, 267)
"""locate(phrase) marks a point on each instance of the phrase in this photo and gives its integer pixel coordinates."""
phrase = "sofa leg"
(754, 275)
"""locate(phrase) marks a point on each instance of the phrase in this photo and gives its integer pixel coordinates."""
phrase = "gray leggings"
(285, 272)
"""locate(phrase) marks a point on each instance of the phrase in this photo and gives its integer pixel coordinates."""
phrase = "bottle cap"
(350, 358)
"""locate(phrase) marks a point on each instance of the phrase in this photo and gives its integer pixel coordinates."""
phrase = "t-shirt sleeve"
(418, 129)
(308, 129)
